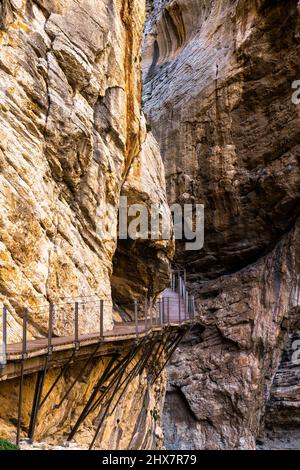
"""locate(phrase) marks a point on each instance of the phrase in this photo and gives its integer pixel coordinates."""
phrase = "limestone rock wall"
(133, 424)
(70, 129)
(282, 415)
(226, 370)
(218, 95)
(149, 258)
(72, 135)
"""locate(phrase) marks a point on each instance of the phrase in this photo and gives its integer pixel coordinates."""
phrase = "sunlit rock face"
(218, 95)
(133, 424)
(70, 128)
(72, 140)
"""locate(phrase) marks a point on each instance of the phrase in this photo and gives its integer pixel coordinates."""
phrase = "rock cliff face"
(72, 140)
(282, 417)
(218, 95)
(133, 424)
(71, 137)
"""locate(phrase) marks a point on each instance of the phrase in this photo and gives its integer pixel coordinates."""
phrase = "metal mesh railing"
(90, 315)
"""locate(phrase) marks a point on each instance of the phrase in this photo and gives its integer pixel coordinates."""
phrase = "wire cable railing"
(88, 316)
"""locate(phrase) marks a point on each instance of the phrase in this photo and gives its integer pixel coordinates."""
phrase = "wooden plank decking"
(175, 314)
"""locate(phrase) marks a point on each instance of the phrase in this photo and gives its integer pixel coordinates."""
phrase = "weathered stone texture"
(70, 130)
(71, 137)
(218, 95)
(130, 426)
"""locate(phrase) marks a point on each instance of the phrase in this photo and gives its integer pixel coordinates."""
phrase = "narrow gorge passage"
(149, 226)
(73, 143)
(219, 81)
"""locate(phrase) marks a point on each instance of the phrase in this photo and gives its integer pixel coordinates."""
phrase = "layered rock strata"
(132, 423)
(72, 140)
(218, 96)
(71, 129)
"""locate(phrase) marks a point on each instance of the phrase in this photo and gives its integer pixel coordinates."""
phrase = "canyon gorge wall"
(72, 140)
(132, 423)
(218, 96)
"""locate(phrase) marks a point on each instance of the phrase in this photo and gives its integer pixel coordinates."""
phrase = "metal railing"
(178, 284)
(68, 317)
(75, 320)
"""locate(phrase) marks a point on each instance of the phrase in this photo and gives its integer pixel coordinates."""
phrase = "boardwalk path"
(147, 342)
(174, 309)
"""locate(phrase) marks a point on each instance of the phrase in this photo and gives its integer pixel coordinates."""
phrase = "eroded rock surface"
(225, 373)
(70, 130)
(72, 136)
(129, 425)
(282, 416)
(218, 95)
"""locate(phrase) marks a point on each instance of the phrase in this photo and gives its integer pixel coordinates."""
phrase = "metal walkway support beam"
(171, 349)
(117, 384)
(157, 353)
(121, 366)
(126, 381)
(79, 375)
(36, 403)
(62, 372)
(90, 401)
(41, 379)
(156, 334)
(93, 401)
(107, 407)
(24, 352)
(4, 336)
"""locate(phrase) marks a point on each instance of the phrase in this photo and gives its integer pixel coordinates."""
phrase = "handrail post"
(101, 319)
(76, 325)
(179, 309)
(4, 334)
(50, 328)
(24, 339)
(136, 320)
(168, 303)
(24, 352)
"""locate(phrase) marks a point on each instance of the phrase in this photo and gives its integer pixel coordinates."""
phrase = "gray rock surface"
(218, 94)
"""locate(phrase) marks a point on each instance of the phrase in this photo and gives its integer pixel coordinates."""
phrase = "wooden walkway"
(174, 308)
(120, 332)
(147, 342)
